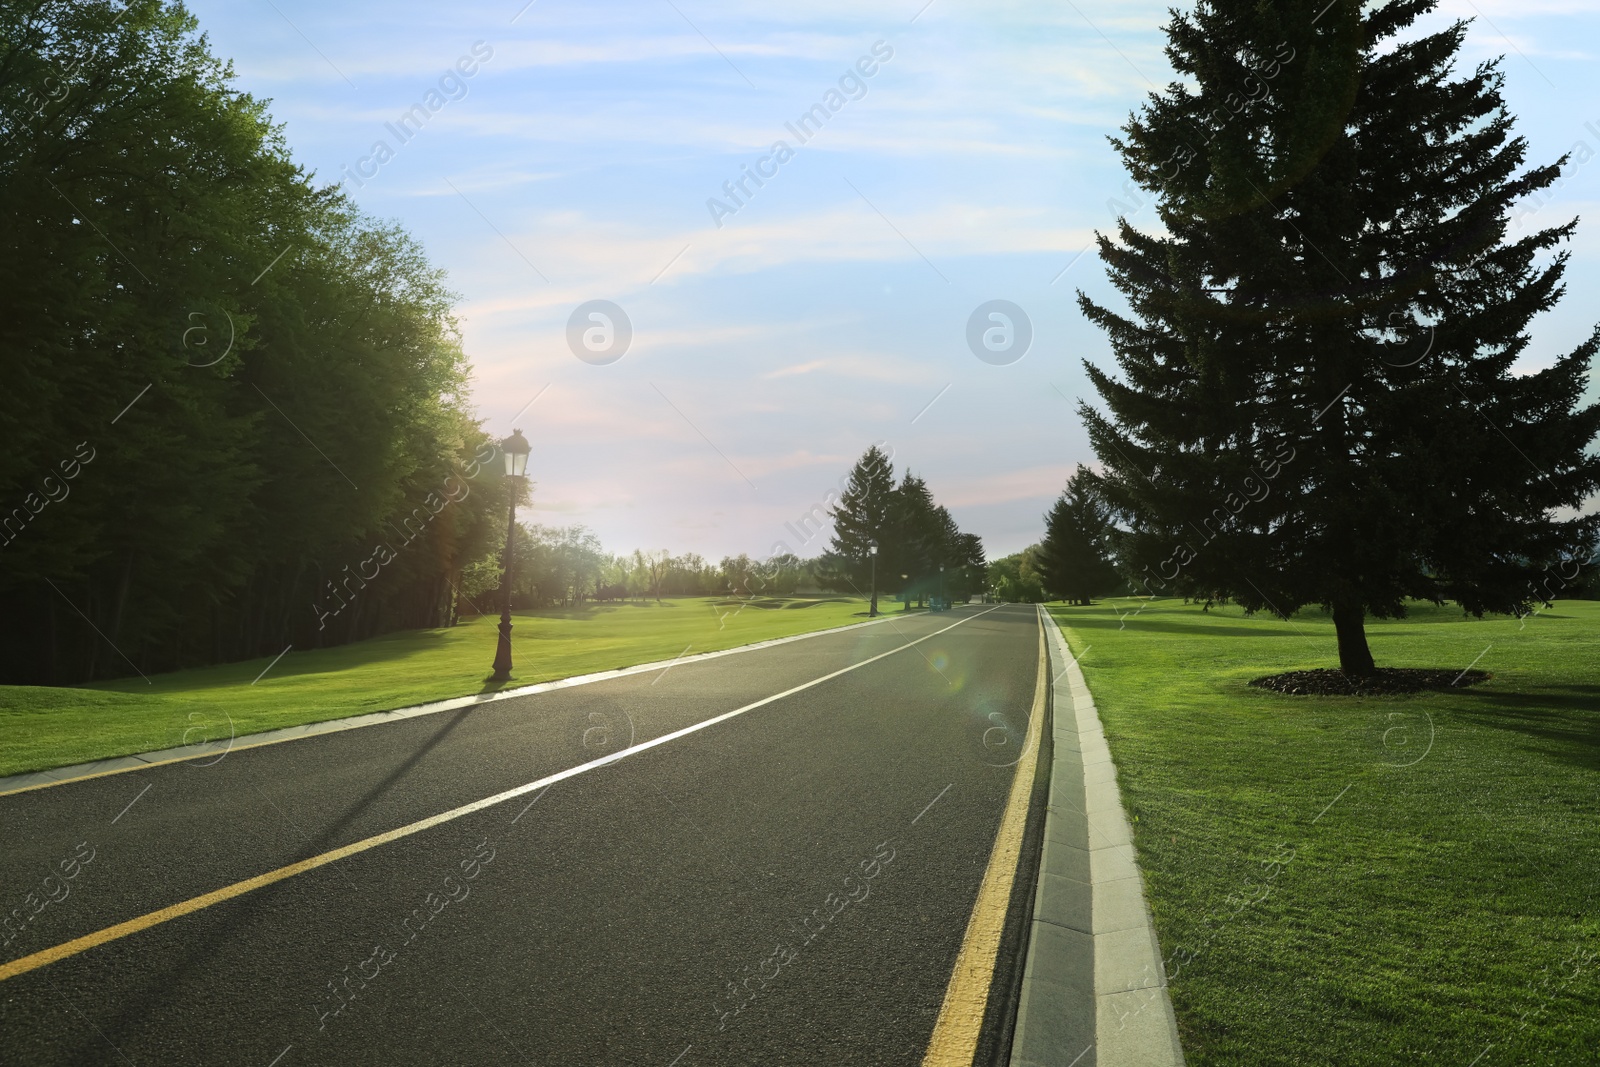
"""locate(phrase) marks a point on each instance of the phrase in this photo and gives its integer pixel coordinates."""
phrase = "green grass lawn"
(1380, 880)
(51, 727)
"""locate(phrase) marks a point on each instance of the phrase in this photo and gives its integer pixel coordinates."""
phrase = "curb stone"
(1094, 991)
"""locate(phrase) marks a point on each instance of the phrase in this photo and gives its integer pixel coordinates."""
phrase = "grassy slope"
(1438, 911)
(50, 727)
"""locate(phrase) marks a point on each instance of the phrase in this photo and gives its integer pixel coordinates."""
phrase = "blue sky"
(831, 308)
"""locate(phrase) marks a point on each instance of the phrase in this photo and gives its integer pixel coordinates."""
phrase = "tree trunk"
(1349, 624)
(57, 675)
(88, 615)
(122, 599)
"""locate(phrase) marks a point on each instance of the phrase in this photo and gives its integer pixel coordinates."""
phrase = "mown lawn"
(1382, 880)
(50, 727)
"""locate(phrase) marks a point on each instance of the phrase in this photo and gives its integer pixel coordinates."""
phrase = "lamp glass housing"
(516, 449)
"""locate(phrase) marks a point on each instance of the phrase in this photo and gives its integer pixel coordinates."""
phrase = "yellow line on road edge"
(48, 956)
(955, 1035)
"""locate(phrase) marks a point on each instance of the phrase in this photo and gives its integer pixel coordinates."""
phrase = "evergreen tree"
(917, 531)
(862, 519)
(955, 562)
(969, 568)
(1316, 402)
(1073, 559)
(915, 538)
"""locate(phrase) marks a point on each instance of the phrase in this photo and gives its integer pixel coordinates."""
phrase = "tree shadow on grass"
(400, 645)
(1173, 626)
(382, 649)
(298, 663)
(1565, 720)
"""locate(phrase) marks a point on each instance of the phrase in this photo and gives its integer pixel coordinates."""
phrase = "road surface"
(788, 885)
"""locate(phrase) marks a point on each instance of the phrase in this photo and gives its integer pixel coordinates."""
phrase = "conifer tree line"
(234, 409)
(922, 552)
(1314, 400)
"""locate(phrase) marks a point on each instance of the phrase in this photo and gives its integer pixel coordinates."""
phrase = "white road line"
(22, 965)
(381, 718)
(644, 746)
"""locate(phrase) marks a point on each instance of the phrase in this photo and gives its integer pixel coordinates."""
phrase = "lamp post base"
(502, 654)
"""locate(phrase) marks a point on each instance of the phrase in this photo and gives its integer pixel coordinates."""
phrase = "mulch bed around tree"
(1387, 680)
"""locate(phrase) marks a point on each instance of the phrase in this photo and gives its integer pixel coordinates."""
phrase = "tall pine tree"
(1074, 557)
(1316, 402)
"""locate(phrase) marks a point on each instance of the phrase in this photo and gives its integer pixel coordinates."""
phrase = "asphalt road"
(772, 889)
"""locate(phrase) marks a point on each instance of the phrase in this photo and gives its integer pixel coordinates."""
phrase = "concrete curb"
(20, 783)
(1094, 991)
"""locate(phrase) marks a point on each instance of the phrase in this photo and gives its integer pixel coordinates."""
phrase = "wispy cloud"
(805, 327)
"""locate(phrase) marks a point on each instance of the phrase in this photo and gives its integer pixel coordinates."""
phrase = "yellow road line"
(111, 933)
(955, 1035)
(24, 964)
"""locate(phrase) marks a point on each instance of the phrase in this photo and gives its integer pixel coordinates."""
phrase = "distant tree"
(778, 575)
(834, 573)
(917, 531)
(950, 563)
(1317, 401)
(562, 565)
(921, 549)
(1015, 578)
(651, 568)
(690, 575)
(741, 576)
(863, 518)
(476, 584)
(1074, 559)
(967, 572)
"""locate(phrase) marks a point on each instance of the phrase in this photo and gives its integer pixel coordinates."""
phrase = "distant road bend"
(767, 857)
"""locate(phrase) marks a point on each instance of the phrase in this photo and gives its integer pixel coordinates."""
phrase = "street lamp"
(872, 609)
(515, 449)
(943, 596)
